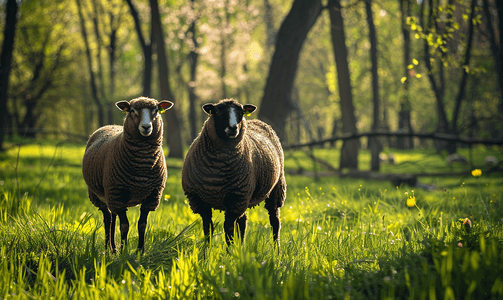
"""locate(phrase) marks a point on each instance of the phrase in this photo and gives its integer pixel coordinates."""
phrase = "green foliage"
(340, 237)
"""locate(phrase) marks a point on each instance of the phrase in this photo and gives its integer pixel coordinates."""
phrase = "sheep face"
(228, 115)
(143, 111)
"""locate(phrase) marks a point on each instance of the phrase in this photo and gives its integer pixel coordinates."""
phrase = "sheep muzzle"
(232, 133)
(145, 126)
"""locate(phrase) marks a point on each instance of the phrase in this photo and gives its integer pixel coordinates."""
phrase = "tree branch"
(436, 136)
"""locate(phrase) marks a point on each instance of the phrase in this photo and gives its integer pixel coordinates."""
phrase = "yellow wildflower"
(411, 201)
(476, 173)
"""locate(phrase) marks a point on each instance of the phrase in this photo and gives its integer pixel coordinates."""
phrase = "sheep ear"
(248, 109)
(164, 105)
(123, 106)
(209, 108)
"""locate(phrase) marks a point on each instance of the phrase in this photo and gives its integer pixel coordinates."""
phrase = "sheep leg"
(124, 227)
(207, 223)
(242, 226)
(107, 221)
(273, 204)
(275, 224)
(199, 207)
(142, 225)
(113, 221)
(230, 219)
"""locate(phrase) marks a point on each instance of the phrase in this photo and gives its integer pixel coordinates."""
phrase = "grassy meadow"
(341, 238)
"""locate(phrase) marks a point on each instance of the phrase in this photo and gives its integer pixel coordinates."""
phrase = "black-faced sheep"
(232, 165)
(124, 166)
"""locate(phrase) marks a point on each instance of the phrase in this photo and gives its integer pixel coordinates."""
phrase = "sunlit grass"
(340, 237)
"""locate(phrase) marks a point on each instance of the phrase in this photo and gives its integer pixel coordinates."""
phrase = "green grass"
(340, 237)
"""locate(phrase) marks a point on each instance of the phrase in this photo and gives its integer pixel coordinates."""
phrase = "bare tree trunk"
(496, 49)
(101, 79)
(375, 143)
(464, 77)
(112, 47)
(222, 66)
(174, 138)
(5, 63)
(349, 151)
(94, 89)
(269, 21)
(437, 87)
(276, 102)
(193, 58)
(404, 122)
(147, 50)
(223, 50)
(499, 4)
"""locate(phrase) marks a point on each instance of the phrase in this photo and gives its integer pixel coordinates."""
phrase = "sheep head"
(143, 112)
(228, 117)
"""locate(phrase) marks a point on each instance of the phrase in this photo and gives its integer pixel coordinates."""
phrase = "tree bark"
(349, 151)
(94, 89)
(276, 103)
(464, 77)
(5, 63)
(375, 144)
(174, 138)
(147, 50)
(499, 5)
(496, 49)
(99, 58)
(269, 22)
(404, 122)
(437, 87)
(193, 59)
(114, 26)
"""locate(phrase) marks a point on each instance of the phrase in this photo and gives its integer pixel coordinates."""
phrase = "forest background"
(314, 68)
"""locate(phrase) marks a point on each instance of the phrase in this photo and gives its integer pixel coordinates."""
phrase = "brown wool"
(236, 174)
(122, 168)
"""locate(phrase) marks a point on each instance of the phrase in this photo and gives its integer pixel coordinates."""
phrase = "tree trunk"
(437, 87)
(174, 138)
(112, 47)
(269, 22)
(499, 5)
(223, 69)
(404, 122)
(99, 59)
(5, 63)
(94, 89)
(349, 151)
(496, 49)
(375, 143)
(464, 77)
(147, 50)
(193, 58)
(276, 102)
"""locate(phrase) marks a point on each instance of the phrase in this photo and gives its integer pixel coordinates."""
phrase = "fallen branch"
(436, 136)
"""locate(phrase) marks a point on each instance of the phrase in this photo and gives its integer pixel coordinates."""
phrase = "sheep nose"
(146, 127)
(232, 131)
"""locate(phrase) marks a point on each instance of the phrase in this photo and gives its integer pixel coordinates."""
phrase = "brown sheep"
(124, 166)
(232, 165)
